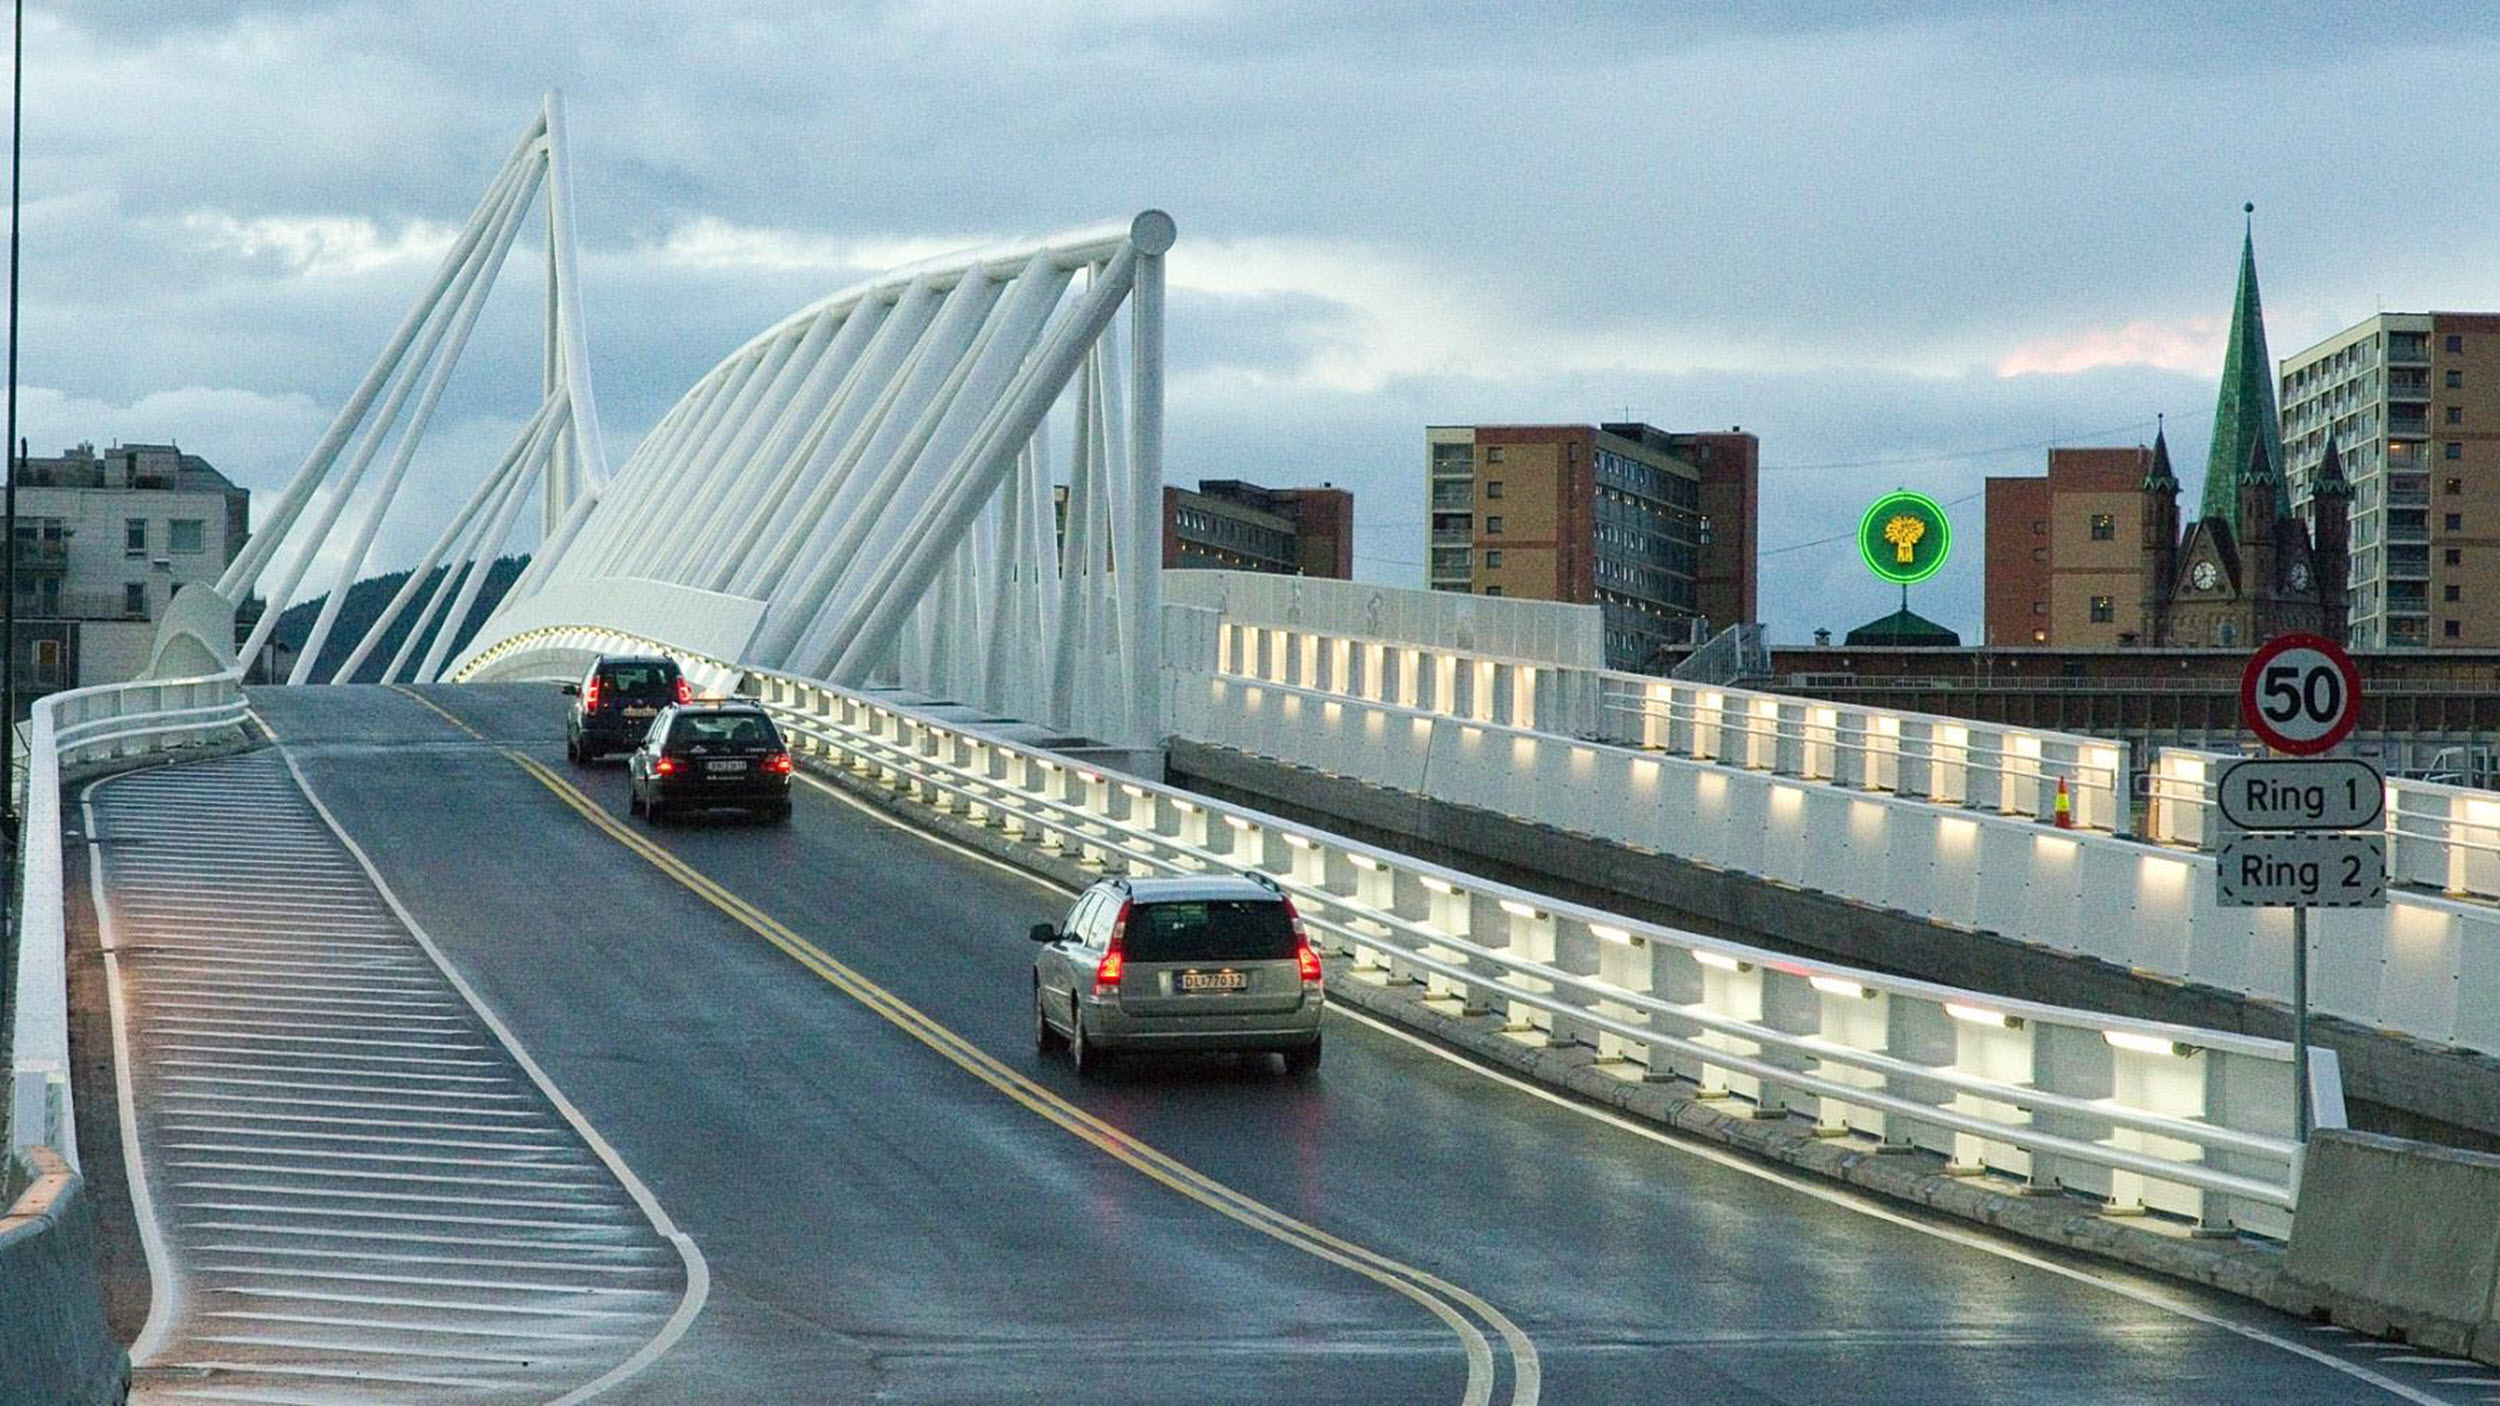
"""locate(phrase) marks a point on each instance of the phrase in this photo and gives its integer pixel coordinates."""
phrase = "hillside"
(366, 600)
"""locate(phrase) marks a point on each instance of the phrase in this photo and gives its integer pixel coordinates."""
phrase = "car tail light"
(1107, 974)
(778, 763)
(664, 765)
(684, 694)
(1305, 956)
(590, 695)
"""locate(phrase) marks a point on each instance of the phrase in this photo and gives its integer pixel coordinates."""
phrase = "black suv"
(705, 756)
(616, 701)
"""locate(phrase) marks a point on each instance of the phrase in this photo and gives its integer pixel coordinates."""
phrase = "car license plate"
(1211, 981)
(718, 767)
(641, 712)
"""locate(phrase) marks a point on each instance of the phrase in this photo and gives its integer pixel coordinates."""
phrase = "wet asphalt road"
(880, 1224)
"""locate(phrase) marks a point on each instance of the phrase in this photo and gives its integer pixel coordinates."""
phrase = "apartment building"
(1656, 528)
(2411, 402)
(1236, 526)
(104, 539)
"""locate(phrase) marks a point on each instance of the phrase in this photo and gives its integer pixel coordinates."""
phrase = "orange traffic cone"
(2065, 807)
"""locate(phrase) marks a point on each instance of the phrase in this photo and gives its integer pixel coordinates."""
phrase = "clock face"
(2299, 575)
(2205, 575)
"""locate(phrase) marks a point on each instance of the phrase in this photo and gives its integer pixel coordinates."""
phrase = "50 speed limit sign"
(2300, 694)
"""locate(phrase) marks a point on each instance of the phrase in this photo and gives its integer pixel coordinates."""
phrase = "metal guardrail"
(2140, 1114)
(106, 723)
(2440, 838)
(1917, 756)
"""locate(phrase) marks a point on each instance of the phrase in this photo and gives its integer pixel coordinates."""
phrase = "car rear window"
(741, 730)
(1214, 930)
(640, 680)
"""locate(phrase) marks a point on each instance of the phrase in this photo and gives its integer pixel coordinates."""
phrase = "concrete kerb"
(54, 1344)
(2235, 1266)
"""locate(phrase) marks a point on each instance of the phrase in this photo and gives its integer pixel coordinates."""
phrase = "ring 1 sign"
(1905, 537)
(2300, 694)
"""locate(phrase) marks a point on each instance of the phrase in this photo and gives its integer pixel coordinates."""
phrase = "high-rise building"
(1237, 526)
(104, 539)
(2411, 402)
(1656, 528)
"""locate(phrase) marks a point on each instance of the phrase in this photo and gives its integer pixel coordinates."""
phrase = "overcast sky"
(1905, 244)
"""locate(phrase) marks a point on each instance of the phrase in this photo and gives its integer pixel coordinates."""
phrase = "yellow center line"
(440, 711)
(1428, 1290)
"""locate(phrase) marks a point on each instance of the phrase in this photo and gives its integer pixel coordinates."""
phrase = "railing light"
(1720, 960)
(1189, 806)
(1298, 841)
(1981, 1015)
(1139, 792)
(1237, 822)
(1363, 861)
(1837, 986)
(1519, 910)
(2146, 1044)
(1606, 932)
(1439, 885)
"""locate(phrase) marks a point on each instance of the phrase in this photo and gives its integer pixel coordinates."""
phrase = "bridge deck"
(813, 1043)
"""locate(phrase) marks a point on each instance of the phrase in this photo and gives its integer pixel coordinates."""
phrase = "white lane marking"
(190, 1030)
(517, 1286)
(253, 1128)
(374, 1349)
(351, 1374)
(420, 1217)
(2467, 1381)
(255, 1052)
(406, 1257)
(504, 1242)
(522, 1114)
(698, 1270)
(257, 1117)
(513, 1164)
(472, 1095)
(1835, 1197)
(163, 1291)
(594, 1214)
(430, 1305)
(282, 1169)
(257, 1062)
(253, 1316)
(248, 1004)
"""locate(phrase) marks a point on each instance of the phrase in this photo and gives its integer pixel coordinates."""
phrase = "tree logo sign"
(1904, 537)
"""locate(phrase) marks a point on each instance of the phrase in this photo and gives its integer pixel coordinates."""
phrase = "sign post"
(2304, 844)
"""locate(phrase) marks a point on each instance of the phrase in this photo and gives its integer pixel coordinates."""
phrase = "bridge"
(1688, 1043)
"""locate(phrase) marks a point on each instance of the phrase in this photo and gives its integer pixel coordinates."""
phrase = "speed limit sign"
(2300, 694)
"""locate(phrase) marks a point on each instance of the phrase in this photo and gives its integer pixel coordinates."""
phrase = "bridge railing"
(112, 722)
(2440, 838)
(1917, 756)
(2137, 1114)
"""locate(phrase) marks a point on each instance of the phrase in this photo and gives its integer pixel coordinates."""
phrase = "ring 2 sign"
(2300, 694)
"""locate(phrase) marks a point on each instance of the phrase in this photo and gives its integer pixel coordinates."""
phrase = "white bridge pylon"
(559, 447)
(865, 492)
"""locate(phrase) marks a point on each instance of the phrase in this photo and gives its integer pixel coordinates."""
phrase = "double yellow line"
(1442, 1299)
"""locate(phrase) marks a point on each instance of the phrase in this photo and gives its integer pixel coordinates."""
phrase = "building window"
(187, 534)
(2449, 627)
(2039, 529)
(2104, 610)
(135, 598)
(1493, 525)
(2039, 554)
(2455, 343)
(2454, 556)
(1493, 488)
(1493, 591)
(2104, 527)
(2039, 607)
(2454, 522)
(1493, 454)
(2451, 450)
(48, 661)
(134, 537)
(2451, 591)
(2039, 637)
(2456, 414)
(1493, 556)
(2453, 486)
(2456, 380)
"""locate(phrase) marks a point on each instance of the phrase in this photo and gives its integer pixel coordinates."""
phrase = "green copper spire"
(2244, 412)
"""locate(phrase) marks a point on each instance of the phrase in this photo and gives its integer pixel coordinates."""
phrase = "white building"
(104, 539)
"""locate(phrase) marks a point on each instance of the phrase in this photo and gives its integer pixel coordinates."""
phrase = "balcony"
(2407, 528)
(2408, 385)
(1460, 495)
(2412, 563)
(2416, 497)
(2408, 350)
(43, 555)
(2415, 426)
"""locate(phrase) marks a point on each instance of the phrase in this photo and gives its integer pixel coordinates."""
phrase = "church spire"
(2160, 479)
(2330, 482)
(2244, 411)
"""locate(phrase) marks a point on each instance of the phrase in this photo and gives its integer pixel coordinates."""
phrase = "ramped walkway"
(349, 1183)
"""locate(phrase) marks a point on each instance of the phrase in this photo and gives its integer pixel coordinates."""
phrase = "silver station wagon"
(1218, 962)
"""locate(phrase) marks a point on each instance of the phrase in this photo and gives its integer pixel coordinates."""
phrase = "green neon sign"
(1905, 537)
